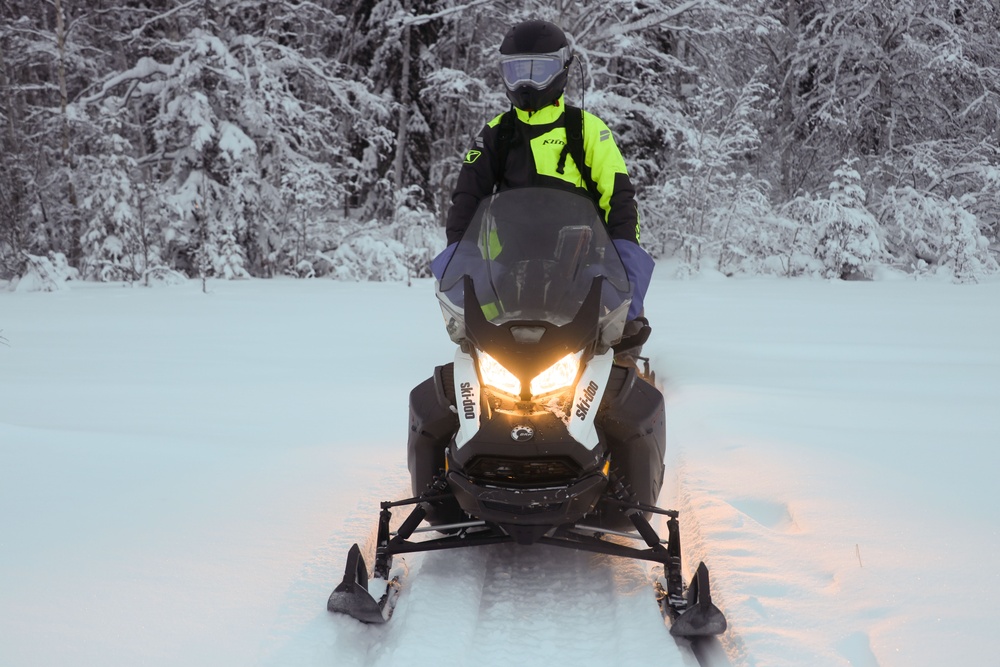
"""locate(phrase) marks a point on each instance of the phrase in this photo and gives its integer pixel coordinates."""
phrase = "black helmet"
(534, 64)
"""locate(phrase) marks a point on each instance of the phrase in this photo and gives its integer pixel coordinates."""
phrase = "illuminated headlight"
(557, 376)
(497, 376)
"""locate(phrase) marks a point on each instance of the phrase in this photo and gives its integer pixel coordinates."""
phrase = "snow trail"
(529, 604)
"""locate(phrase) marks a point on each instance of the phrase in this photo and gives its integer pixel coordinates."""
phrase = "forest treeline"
(144, 139)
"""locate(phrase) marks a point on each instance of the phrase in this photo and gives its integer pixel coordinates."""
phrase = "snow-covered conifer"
(932, 234)
(227, 256)
(414, 227)
(115, 237)
(710, 201)
(847, 231)
(368, 255)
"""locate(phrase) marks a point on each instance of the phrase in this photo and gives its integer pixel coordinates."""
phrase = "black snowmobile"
(534, 435)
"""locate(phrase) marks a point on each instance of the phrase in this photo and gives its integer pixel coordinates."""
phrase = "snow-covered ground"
(181, 475)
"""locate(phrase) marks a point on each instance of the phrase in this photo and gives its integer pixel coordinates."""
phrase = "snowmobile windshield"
(532, 255)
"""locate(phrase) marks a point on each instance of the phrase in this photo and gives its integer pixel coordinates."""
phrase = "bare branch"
(145, 68)
(138, 31)
(650, 20)
(427, 18)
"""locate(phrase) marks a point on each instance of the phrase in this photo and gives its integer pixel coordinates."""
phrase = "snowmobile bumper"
(556, 506)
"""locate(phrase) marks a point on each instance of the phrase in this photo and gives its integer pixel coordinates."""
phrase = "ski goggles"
(537, 70)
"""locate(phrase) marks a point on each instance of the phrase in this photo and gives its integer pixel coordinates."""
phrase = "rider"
(528, 146)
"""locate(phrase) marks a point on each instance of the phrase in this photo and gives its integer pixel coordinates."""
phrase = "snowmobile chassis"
(689, 609)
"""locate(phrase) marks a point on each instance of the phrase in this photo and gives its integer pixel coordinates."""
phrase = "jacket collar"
(549, 114)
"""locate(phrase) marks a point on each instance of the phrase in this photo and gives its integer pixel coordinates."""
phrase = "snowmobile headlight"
(557, 376)
(496, 376)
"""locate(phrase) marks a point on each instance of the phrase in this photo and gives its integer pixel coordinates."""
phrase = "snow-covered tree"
(391, 48)
(707, 201)
(848, 233)
(414, 227)
(231, 136)
(238, 108)
(44, 61)
(936, 235)
(45, 273)
(311, 221)
(369, 255)
(123, 221)
(910, 87)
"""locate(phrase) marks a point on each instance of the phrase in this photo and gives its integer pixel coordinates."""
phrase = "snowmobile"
(534, 434)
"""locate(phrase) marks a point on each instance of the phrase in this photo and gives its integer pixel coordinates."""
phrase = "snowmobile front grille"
(520, 509)
(523, 473)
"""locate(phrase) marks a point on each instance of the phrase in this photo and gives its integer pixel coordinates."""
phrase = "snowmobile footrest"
(700, 618)
(351, 597)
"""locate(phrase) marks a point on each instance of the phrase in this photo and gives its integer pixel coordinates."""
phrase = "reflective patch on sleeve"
(605, 135)
(472, 156)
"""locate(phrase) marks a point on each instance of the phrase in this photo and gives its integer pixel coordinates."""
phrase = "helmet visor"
(537, 70)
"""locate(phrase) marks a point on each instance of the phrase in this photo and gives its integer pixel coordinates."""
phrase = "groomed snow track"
(527, 605)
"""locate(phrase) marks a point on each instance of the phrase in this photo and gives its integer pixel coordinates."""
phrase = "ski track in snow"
(507, 605)
(812, 460)
(490, 605)
(304, 632)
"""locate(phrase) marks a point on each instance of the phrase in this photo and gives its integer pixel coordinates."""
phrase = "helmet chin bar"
(527, 98)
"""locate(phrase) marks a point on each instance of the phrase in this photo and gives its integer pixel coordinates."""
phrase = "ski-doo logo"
(522, 433)
(583, 405)
(468, 400)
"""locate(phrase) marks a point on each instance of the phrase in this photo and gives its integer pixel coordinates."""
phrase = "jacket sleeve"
(607, 168)
(476, 180)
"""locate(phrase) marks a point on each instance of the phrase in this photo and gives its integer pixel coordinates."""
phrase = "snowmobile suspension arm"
(399, 544)
(594, 545)
(449, 542)
(673, 514)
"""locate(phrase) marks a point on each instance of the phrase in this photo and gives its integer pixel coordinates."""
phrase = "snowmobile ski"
(695, 616)
(354, 594)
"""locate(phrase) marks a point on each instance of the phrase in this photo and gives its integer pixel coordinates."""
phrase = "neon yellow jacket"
(532, 158)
